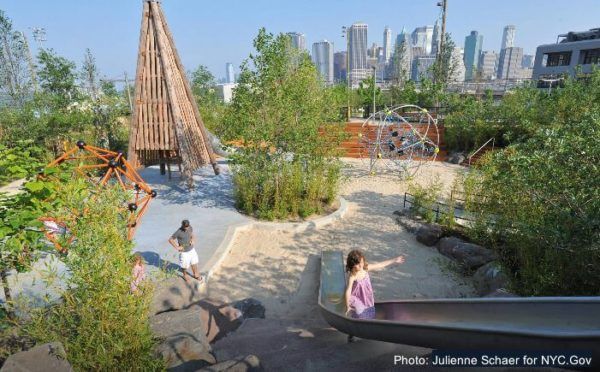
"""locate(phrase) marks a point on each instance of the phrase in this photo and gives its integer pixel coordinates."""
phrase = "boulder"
(456, 158)
(245, 364)
(488, 278)
(501, 293)
(250, 308)
(429, 234)
(406, 220)
(218, 318)
(174, 294)
(470, 256)
(184, 345)
(42, 358)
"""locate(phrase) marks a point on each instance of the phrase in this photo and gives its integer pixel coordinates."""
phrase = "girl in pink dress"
(360, 302)
(138, 273)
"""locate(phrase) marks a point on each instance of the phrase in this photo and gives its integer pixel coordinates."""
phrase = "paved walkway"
(209, 208)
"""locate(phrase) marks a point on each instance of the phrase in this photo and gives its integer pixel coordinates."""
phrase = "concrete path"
(209, 208)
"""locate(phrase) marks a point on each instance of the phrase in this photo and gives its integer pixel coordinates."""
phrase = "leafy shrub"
(19, 161)
(101, 324)
(539, 205)
(288, 124)
(424, 202)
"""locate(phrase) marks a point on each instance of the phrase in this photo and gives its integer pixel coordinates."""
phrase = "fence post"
(437, 213)
(404, 204)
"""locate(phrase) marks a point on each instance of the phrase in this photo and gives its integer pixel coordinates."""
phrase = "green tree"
(210, 104)
(15, 75)
(286, 120)
(367, 91)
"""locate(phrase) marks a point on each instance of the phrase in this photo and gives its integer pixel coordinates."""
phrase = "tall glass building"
(357, 40)
(473, 46)
(322, 56)
(229, 76)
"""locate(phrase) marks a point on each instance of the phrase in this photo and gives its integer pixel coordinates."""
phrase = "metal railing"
(493, 140)
(437, 210)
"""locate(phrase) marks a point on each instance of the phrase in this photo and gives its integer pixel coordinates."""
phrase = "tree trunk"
(7, 295)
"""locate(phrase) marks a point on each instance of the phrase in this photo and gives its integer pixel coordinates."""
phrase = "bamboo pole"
(183, 146)
(133, 129)
(205, 139)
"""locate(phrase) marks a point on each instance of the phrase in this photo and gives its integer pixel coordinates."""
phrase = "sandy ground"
(281, 268)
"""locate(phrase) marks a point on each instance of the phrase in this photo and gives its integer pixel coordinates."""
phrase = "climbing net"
(399, 140)
(101, 167)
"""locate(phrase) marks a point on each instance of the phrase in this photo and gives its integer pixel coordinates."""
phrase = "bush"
(425, 198)
(539, 205)
(101, 324)
(20, 161)
(288, 124)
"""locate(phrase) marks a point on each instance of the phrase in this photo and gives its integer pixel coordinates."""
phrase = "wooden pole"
(190, 95)
(184, 150)
(133, 129)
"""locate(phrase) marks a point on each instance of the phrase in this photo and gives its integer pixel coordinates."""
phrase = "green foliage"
(539, 205)
(20, 161)
(210, 105)
(424, 198)
(286, 120)
(16, 81)
(101, 324)
(365, 91)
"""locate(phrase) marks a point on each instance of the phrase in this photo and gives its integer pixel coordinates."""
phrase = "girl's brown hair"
(353, 259)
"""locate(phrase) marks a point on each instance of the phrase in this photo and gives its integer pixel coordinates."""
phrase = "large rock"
(501, 293)
(245, 364)
(250, 308)
(429, 234)
(218, 318)
(489, 278)
(184, 345)
(174, 294)
(470, 256)
(42, 358)
(456, 158)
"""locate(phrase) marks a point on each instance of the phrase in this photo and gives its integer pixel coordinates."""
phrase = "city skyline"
(115, 47)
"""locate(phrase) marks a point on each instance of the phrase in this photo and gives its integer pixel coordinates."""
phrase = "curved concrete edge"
(214, 263)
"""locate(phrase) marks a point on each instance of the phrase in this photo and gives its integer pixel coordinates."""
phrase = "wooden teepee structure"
(166, 126)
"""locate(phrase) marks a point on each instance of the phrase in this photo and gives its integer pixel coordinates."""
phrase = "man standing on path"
(183, 241)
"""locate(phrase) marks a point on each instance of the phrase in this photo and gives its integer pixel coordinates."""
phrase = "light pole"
(345, 34)
(440, 57)
(374, 80)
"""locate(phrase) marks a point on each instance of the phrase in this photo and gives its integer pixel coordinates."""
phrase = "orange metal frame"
(118, 169)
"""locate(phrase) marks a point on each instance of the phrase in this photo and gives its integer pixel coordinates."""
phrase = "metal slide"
(558, 324)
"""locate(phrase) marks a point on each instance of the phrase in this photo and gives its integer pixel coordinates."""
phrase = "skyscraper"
(339, 66)
(509, 66)
(488, 65)
(473, 44)
(508, 37)
(403, 57)
(422, 38)
(229, 77)
(298, 40)
(527, 61)
(357, 39)
(387, 44)
(436, 38)
(458, 75)
(322, 56)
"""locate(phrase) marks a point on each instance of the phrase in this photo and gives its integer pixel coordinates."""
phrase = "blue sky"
(215, 32)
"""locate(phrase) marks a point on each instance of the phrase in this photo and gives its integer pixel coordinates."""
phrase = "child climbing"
(137, 272)
(360, 302)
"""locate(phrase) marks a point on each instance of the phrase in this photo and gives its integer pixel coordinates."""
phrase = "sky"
(212, 33)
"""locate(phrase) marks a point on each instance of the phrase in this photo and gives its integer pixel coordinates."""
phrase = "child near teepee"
(360, 302)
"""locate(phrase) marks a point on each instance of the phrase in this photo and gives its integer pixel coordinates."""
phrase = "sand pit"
(281, 268)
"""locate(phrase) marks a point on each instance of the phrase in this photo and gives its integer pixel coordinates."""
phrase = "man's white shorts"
(188, 258)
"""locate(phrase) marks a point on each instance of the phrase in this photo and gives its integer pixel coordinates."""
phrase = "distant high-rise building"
(229, 75)
(298, 40)
(436, 38)
(358, 68)
(488, 65)
(387, 44)
(322, 56)
(473, 45)
(339, 66)
(422, 67)
(509, 65)
(372, 51)
(458, 75)
(422, 37)
(508, 37)
(528, 60)
(401, 65)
